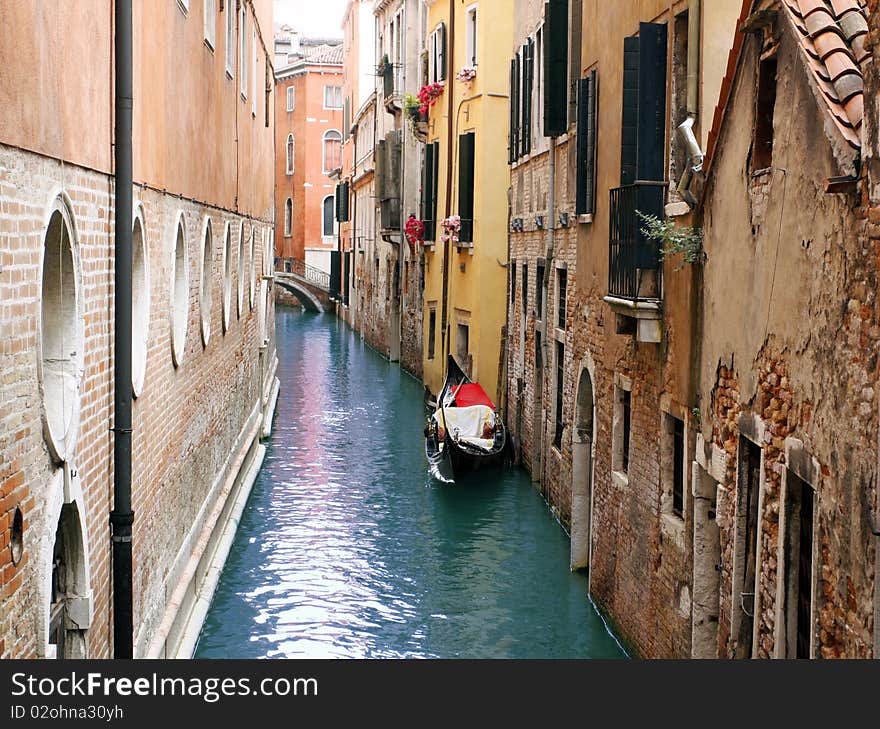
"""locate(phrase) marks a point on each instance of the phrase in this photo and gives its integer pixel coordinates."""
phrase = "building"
(308, 100)
(464, 191)
(355, 189)
(786, 444)
(203, 348)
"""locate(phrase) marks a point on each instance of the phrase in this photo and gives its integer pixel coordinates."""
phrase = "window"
(462, 345)
(432, 329)
(254, 73)
(140, 304)
(252, 265)
(746, 544)
(524, 290)
(430, 179)
(183, 5)
(560, 381)
(290, 152)
(230, 40)
(211, 23)
(561, 293)
(588, 89)
(799, 569)
(206, 288)
(762, 152)
(466, 153)
(227, 278)
(241, 270)
(332, 151)
(556, 66)
(437, 54)
(288, 217)
(290, 97)
(332, 97)
(470, 55)
(327, 216)
(179, 293)
(620, 426)
(672, 465)
(539, 291)
(243, 57)
(527, 73)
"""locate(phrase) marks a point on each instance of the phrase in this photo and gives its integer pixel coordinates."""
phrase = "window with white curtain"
(332, 150)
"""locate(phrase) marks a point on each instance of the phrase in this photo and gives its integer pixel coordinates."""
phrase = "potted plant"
(451, 228)
(467, 74)
(429, 93)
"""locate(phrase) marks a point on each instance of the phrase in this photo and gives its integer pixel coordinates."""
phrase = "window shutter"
(555, 67)
(630, 121)
(379, 169)
(528, 65)
(517, 137)
(466, 150)
(511, 133)
(338, 199)
(442, 69)
(429, 191)
(346, 275)
(435, 186)
(335, 274)
(586, 144)
(651, 145)
(346, 118)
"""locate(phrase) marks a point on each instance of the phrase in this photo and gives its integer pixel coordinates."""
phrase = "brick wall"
(187, 419)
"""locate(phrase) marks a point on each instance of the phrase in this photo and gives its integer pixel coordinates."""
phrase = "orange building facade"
(308, 113)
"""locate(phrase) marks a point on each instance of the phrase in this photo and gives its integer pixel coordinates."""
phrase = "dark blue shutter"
(630, 121)
(517, 85)
(466, 149)
(555, 67)
(511, 133)
(442, 69)
(651, 148)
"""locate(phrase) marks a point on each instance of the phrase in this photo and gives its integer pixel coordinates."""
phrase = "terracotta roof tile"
(832, 35)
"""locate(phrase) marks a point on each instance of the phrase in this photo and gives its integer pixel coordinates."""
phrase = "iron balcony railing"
(635, 270)
(312, 275)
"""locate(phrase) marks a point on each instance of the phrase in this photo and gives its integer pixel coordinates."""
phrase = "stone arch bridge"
(309, 284)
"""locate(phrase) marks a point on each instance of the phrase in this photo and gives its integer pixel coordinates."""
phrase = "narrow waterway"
(347, 547)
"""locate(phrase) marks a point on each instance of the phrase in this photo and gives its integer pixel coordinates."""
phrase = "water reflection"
(347, 548)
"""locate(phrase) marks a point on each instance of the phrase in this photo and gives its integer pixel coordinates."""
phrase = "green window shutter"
(335, 274)
(442, 69)
(555, 67)
(528, 74)
(511, 148)
(429, 191)
(586, 145)
(435, 186)
(630, 120)
(466, 149)
(517, 138)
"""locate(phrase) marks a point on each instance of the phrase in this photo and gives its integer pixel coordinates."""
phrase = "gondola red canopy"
(471, 394)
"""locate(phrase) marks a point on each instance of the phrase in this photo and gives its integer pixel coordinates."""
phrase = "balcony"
(391, 87)
(635, 268)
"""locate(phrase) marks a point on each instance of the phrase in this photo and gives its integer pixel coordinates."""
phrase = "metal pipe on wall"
(545, 312)
(122, 516)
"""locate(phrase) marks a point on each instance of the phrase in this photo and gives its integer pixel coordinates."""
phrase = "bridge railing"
(312, 275)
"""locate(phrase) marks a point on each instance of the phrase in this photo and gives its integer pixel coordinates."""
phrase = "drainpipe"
(545, 323)
(122, 517)
(695, 23)
(450, 54)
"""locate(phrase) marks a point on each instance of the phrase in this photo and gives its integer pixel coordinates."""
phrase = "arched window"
(288, 217)
(327, 217)
(179, 292)
(140, 304)
(289, 154)
(332, 150)
(206, 289)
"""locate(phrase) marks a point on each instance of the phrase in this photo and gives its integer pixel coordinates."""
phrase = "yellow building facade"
(467, 175)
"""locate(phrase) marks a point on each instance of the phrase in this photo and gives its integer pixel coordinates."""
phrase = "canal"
(347, 548)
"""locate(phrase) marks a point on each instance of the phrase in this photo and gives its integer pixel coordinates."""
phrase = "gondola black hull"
(449, 459)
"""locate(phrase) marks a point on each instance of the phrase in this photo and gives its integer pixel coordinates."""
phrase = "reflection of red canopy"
(471, 394)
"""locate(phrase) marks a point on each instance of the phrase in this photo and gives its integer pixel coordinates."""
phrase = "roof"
(831, 35)
(324, 53)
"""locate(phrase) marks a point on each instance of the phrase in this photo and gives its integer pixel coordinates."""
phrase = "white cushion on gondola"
(467, 422)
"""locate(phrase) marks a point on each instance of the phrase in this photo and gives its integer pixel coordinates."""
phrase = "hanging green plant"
(674, 239)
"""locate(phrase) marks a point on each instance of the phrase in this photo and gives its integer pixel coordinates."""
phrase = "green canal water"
(348, 548)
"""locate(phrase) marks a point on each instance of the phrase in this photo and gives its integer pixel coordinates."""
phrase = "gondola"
(464, 432)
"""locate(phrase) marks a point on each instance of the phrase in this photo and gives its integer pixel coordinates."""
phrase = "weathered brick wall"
(186, 420)
(412, 320)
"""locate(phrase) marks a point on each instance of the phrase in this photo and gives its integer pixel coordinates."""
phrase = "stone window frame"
(241, 270)
(799, 463)
(752, 429)
(252, 267)
(619, 477)
(206, 298)
(62, 445)
(230, 41)
(672, 524)
(431, 336)
(179, 308)
(291, 97)
(140, 329)
(210, 18)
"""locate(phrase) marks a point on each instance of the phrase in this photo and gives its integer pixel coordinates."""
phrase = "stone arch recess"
(583, 450)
